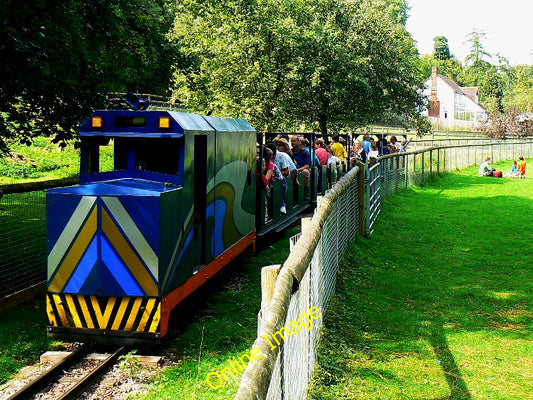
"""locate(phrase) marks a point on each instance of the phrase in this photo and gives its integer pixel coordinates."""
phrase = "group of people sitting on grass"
(518, 169)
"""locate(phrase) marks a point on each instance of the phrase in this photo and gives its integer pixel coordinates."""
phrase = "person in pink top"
(321, 152)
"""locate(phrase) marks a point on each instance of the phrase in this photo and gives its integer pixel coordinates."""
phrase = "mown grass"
(437, 304)
(23, 337)
(44, 160)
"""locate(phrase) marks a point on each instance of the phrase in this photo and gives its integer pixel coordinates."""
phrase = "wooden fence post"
(269, 274)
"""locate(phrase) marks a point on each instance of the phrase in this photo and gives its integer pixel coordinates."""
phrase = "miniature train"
(130, 242)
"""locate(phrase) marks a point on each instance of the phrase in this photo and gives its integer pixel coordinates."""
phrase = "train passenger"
(337, 148)
(394, 145)
(303, 162)
(321, 152)
(359, 152)
(271, 173)
(383, 147)
(373, 153)
(305, 145)
(285, 165)
(333, 162)
(366, 144)
(283, 145)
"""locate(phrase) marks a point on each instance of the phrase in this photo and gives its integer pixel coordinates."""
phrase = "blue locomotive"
(130, 242)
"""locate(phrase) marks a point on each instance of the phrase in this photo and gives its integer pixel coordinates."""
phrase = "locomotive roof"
(146, 124)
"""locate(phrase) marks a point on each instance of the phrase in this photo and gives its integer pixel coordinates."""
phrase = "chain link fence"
(284, 371)
(23, 235)
(290, 322)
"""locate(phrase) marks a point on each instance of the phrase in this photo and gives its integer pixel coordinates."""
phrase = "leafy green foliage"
(441, 48)
(281, 64)
(45, 160)
(23, 337)
(61, 59)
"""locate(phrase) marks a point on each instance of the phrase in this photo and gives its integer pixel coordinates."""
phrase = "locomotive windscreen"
(130, 122)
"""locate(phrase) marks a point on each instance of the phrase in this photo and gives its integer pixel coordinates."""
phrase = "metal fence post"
(361, 197)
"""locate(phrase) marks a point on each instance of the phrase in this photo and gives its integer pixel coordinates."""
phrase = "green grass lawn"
(23, 338)
(43, 160)
(437, 304)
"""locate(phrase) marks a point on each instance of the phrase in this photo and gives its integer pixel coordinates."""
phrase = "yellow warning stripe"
(60, 309)
(147, 311)
(103, 318)
(73, 311)
(155, 321)
(66, 313)
(50, 312)
(133, 314)
(120, 313)
(85, 311)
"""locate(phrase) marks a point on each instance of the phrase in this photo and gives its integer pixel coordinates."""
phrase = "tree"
(520, 89)
(491, 91)
(280, 63)
(441, 49)
(477, 53)
(60, 59)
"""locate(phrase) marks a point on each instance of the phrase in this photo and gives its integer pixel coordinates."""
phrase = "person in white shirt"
(485, 169)
(373, 153)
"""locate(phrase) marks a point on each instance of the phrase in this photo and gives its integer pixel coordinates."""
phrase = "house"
(451, 105)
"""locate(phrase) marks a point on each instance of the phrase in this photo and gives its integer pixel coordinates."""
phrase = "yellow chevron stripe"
(128, 255)
(73, 312)
(60, 309)
(85, 311)
(120, 313)
(76, 252)
(133, 313)
(133, 234)
(146, 315)
(103, 319)
(50, 312)
(155, 321)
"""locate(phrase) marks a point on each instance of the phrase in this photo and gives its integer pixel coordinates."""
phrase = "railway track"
(67, 379)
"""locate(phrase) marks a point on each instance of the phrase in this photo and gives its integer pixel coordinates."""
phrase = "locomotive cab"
(142, 232)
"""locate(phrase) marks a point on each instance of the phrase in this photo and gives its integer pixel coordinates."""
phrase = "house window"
(461, 113)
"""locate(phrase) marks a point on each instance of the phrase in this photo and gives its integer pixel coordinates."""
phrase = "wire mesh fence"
(23, 241)
(289, 376)
(288, 342)
(23, 235)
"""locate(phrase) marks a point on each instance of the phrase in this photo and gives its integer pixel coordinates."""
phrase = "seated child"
(521, 166)
(513, 173)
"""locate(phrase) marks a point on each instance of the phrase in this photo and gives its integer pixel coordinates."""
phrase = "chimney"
(434, 73)
(434, 103)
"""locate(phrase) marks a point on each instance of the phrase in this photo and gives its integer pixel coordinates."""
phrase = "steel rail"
(39, 383)
(94, 374)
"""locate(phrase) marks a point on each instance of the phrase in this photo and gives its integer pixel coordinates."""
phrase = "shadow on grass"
(452, 372)
(440, 264)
